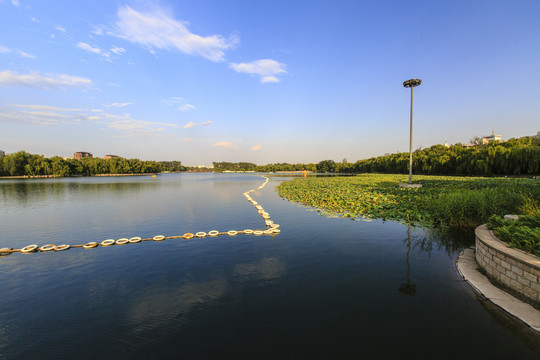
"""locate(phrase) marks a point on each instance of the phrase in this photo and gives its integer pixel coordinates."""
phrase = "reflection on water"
(42, 190)
(323, 288)
(408, 288)
(165, 307)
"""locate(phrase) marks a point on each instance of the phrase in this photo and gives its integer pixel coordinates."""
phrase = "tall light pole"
(411, 83)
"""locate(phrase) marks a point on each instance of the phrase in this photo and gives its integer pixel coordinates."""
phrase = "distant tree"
(326, 166)
(476, 140)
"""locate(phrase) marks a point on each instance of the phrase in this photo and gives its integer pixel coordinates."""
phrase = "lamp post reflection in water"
(408, 288)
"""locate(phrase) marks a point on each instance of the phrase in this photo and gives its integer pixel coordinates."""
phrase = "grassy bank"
(458, 202)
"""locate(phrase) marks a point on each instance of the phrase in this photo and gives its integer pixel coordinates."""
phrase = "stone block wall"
(513, 270)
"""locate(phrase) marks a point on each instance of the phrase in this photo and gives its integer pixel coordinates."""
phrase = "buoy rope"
(272, 230)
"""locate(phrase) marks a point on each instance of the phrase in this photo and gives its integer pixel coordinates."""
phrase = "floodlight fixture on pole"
(411, 84)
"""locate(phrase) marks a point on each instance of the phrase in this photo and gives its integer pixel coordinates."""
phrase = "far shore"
(58, 176)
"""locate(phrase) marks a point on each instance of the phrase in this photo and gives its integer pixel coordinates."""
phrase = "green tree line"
(513, 157)
(173, 166)
(23, 163)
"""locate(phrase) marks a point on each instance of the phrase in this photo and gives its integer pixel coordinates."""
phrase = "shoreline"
(523, 313)
(72, 176)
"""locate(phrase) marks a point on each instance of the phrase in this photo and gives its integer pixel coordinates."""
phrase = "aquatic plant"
(458, 202)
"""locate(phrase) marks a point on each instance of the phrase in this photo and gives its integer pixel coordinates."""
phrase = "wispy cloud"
(26, 55)
(158, 29)
(116, 104)
(192, 124)
(179, 103)
(256, 147)
(15, 2)
(5, 50)
(89, 48)
(29, 117)
(225, 145)
(48, 115)
(50, 108)
(186, 107)
(50, 81)
(118, 50)
(267, 69)
(134, 127)
(45, 115)
(60, 28)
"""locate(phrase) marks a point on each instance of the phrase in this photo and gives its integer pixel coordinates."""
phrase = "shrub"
(523, 233)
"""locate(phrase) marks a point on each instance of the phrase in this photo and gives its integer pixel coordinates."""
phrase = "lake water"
(324, 288)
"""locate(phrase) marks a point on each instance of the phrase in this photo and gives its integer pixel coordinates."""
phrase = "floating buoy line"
(272, 229)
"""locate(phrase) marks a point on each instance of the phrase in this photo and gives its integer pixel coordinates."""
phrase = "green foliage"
(513, 157)
(458, 202)
(228, 166)
(173, 166)
(523, 233)
(468, 208)
(530, 206)
(326, 166)
(23, 163)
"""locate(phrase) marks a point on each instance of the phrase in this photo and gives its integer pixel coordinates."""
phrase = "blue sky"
(263, 81)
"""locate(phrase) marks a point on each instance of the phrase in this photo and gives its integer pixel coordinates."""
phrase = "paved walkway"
(467, 267)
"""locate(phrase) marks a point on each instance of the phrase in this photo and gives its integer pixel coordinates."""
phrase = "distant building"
(2, 153)
(446, 144)
(110, 156)
(491, 138)
(345, 161)
(81, 154)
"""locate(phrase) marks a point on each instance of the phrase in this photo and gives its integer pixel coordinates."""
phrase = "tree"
(326, 166)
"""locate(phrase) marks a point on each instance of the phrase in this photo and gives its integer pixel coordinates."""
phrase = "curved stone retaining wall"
(511, 269)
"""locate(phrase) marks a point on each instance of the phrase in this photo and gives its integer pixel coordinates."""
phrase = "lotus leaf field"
(458, 202)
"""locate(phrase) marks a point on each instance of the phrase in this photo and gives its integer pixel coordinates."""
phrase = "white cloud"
(157, 29)
(138, 127)
(256, 147)
(26, 55)
(45, 115)
(269, 79)
(46, 107)
(60, 28)
(182, 106)
(118, 50)
(89, 48)
(34, 79)
(186, 107)
(5, 50)
(15, 2)
(225, 145)
(105, 54)
(28, 117)
(118, 104)
(192, 124)
(267, 69)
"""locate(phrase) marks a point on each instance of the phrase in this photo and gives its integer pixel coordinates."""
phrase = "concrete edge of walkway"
(468, 269)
